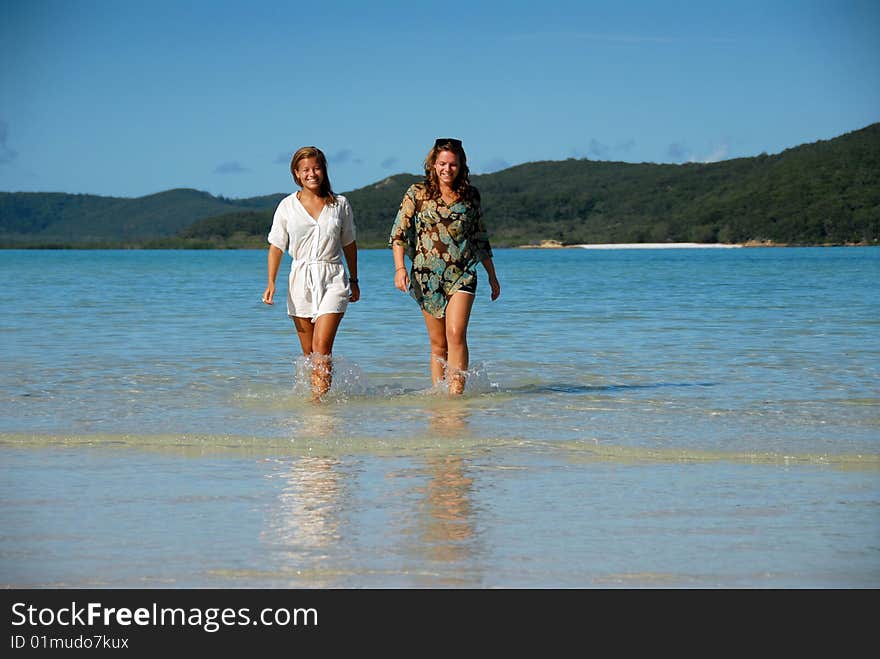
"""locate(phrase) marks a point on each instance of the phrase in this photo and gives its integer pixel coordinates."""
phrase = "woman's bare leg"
(304, 331)
(437, 337)
(458, 314)
(317, 340)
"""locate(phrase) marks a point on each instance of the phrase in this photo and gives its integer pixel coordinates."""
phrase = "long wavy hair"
(326, 189)
(462, 184)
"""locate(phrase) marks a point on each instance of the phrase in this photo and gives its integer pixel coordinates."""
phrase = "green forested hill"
(372, 206)
(58, 219)
(826, 192)
(819, 193)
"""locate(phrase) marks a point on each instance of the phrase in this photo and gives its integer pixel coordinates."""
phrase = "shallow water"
(670, 418)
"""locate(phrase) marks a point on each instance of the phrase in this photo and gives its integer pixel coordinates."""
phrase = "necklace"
(448, 198)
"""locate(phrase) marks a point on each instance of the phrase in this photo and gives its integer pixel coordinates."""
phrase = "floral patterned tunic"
(444, 243)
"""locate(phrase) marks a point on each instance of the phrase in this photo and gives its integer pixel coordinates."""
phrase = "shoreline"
(659, 246)
(544, 244)
(555, 244)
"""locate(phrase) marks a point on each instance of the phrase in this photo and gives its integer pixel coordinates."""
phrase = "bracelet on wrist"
(400, 268)
(352, 280)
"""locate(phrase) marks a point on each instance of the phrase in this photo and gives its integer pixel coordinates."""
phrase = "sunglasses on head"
(443, 141)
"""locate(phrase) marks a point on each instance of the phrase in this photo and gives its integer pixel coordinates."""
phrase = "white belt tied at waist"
(314, 281)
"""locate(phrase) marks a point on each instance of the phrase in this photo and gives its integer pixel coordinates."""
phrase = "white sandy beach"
(658, 246)
(556, 244)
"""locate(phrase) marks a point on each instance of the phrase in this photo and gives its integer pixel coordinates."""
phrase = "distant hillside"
(820, 193)
(58, 219)
(827, 192)
(371, 205)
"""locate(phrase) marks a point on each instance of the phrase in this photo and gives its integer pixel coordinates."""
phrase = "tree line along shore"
(822, 193)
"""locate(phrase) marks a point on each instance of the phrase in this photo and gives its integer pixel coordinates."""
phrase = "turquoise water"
(634, 418)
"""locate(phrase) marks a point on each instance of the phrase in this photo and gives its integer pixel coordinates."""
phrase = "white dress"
(318, 283)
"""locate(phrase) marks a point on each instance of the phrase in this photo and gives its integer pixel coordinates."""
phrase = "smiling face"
(446, 168)
(309, 174)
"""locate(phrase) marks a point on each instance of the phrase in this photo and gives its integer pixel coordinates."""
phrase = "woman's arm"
(403, 238)
(273, 262)
(350, 252)
(401, 277)
(493, 279)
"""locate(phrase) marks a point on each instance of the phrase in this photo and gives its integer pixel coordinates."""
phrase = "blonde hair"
(316, 153)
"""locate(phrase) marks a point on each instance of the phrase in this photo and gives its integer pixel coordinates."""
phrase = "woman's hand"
(401, 280)
(496, 287)
(355, 291)
(269, 294)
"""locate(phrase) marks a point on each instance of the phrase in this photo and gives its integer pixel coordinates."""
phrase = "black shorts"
(470, 289)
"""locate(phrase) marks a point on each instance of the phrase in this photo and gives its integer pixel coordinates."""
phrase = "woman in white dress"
(316, 227)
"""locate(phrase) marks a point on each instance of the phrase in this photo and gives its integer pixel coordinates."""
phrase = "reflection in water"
(446, 527)
(315, 423)
(305, 523)
(306, 519)
(449, 421)
(309, 528)
(447, 523)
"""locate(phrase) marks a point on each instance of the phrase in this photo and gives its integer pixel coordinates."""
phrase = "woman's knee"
(322, 343)
(439, 347)
(321, 362)
(321, 350)
(456, 336)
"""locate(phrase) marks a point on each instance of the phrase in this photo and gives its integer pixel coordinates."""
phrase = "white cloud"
(597, 149)
(231, 167)
(677, 152)
(718, 153)
(495, 164)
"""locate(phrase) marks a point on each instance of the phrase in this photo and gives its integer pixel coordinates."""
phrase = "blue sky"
(130, 98)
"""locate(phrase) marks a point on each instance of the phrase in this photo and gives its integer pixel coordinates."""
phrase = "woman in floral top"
(440, 228)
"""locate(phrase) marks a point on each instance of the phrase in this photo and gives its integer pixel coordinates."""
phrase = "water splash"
(348, 379)
(476, 381)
